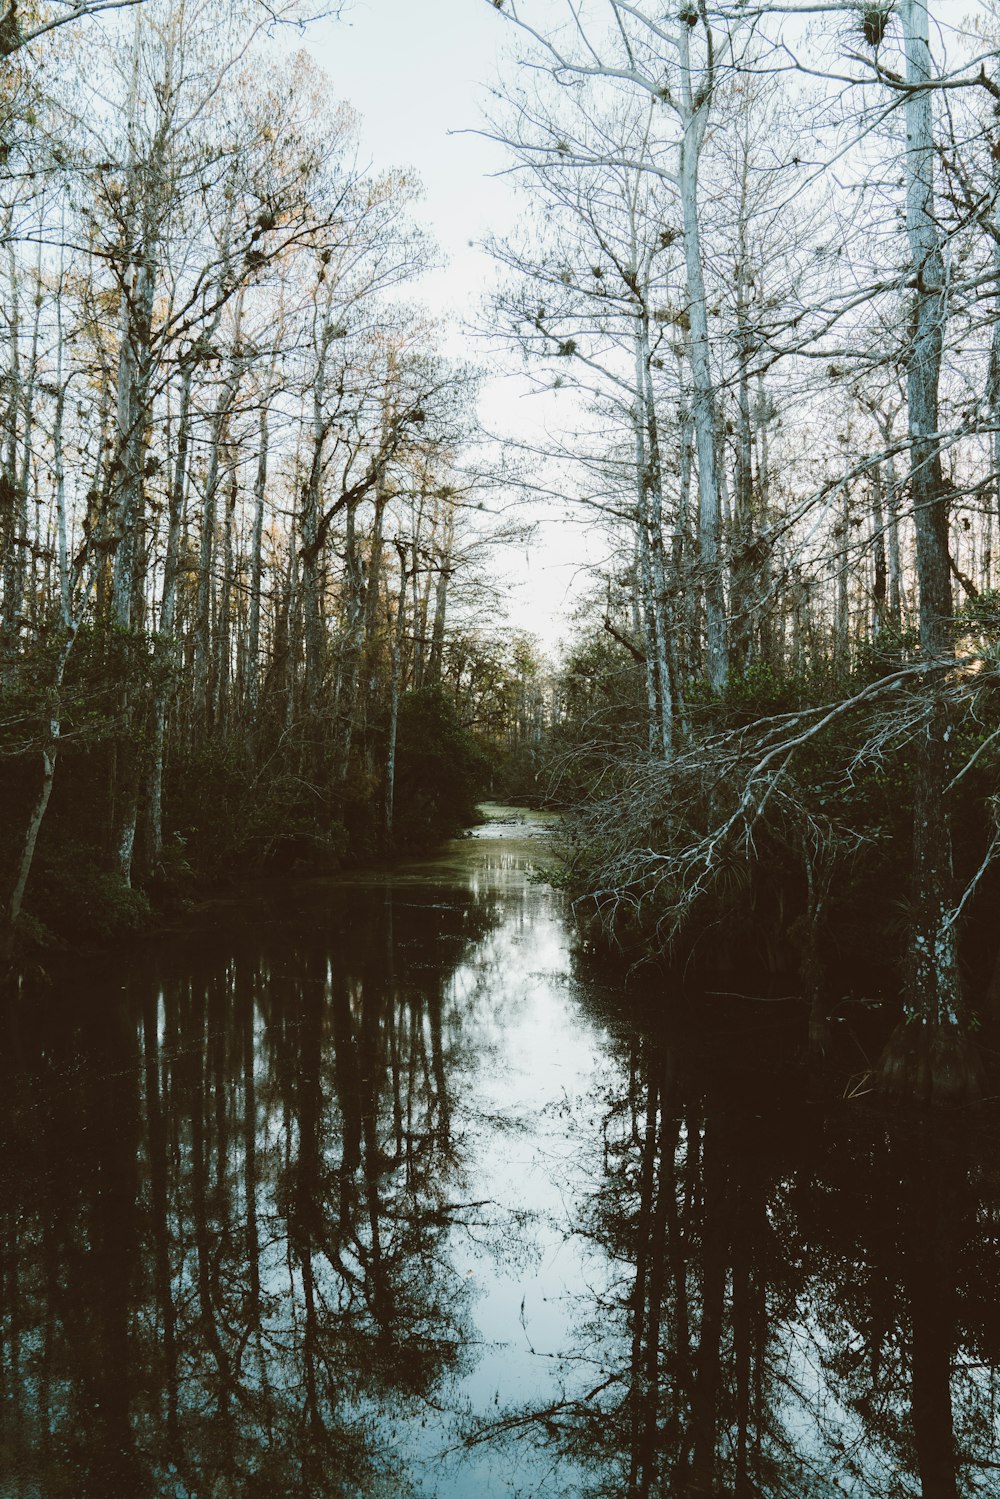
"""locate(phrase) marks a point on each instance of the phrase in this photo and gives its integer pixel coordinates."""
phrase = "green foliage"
(521, 779)
(762, 691)
(978, 621)
(80, 902)
(440, 770)
(884, 653)
(230, 818)
(602, 720)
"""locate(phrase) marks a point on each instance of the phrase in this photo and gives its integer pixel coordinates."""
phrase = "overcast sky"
(418, 71)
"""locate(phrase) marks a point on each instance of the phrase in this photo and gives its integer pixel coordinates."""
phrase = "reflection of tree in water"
(222, 1264)
(805, 1305)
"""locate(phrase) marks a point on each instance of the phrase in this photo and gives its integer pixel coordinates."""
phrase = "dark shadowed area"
(379, 1192)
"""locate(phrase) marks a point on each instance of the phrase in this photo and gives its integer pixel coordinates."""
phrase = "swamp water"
(380, 1192)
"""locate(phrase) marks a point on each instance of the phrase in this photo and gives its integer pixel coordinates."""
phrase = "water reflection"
(804, 1298)
(382, 1196)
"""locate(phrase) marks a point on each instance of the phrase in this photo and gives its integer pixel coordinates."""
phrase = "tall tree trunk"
(256, 572)
(312, 609)
(444, 572)
(649, 475)
(348, 696)
(842, 608)
(993, 397)
(203, 632)
(395, 672)
(744, 589)
(890, 490)
(165, 648)
(14, 503)
(224, 644)
(694, 119)
(880, 573)
(146, 179)
(932, 1055)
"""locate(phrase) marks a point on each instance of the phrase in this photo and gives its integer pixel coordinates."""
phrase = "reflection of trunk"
(159, 1210)
(642, 1414)
(715, 1245)
(349, 1099)
(395, 1021)
(931, 1284)
(245, 1020)
(818, 868)
(308, 1213)
(657, 1210)
(371, 1069)
(666, 1145)
(751, 1232)
(200, 1211)
(109, 1269)
(306, 1226)
(435, 1021)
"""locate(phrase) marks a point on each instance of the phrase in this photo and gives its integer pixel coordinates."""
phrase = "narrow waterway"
(379, 1191)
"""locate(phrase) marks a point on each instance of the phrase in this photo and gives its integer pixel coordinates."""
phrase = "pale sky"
(418, 71)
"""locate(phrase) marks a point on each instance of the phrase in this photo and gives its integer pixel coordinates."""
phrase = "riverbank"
(188, 908)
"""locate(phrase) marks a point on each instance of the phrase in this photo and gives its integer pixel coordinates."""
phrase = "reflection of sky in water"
(447, 993)
(535, 1069)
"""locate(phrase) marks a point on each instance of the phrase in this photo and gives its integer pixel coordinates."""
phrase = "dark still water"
(378, 1194)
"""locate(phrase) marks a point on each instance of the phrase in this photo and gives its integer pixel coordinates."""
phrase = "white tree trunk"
(694, 118)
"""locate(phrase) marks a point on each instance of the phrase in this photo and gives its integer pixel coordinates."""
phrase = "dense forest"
(237, 515)
(763, 269)
(590, 1152)
(249, 546)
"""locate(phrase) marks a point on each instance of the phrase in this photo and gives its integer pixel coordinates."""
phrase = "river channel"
(381, 1191)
